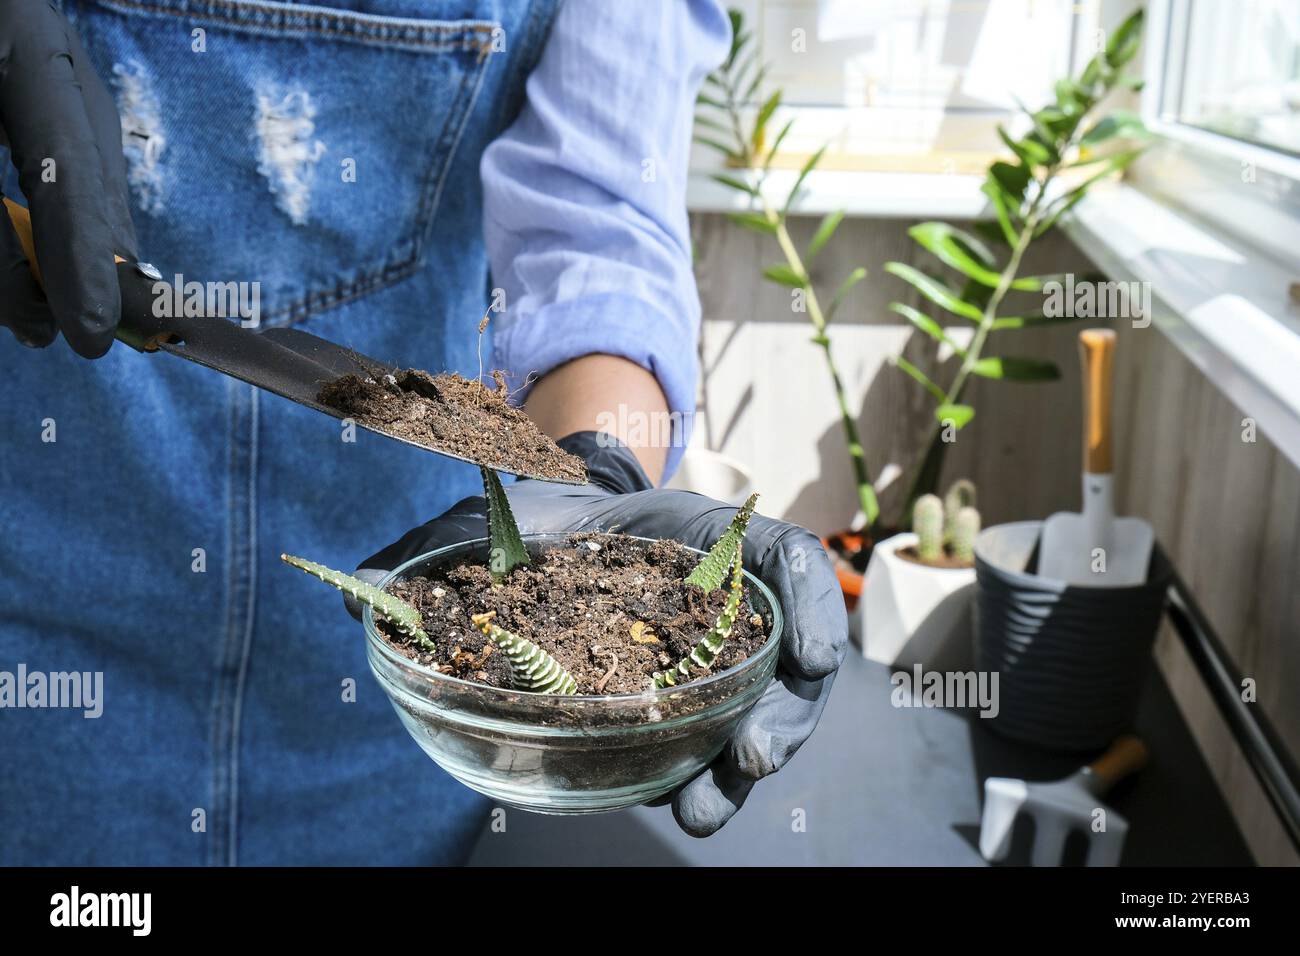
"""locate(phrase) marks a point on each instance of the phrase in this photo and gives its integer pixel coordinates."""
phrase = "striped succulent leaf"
(706, 651)
(531, 667)
(712, 569)
(393, 609)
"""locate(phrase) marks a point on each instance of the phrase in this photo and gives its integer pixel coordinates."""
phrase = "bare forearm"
(604, 393)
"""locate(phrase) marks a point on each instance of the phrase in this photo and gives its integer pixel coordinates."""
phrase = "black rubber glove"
(789, 559)
(62, 127)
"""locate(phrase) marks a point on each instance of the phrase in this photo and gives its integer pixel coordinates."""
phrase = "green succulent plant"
(712, 569)
(704, 653)
(531, 668)
(506, 549)
(404, 617)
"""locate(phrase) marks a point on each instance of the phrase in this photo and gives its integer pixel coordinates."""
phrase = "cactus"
(965, 527)
(531, 668)
(391, 608)
(927, 522)
(712, 569)
(706, 651)
(961, 494)
(506, 546)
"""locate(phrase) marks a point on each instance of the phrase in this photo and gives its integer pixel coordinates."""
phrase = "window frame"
(1165, 69)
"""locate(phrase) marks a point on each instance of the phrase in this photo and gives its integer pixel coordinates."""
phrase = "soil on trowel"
(455, 414)
(611, 609)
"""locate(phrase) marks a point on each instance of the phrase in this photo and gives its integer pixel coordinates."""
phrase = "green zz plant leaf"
(404, 617)
(704, 653)
(531, 668)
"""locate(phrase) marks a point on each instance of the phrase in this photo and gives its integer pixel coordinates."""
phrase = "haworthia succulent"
(706, 651)
(507, 547)
(393, 609)
(712, 569)
(530, 667)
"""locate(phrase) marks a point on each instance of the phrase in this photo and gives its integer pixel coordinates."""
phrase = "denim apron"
(332, 156)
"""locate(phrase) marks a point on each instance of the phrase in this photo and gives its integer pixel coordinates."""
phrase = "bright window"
(1237, 72)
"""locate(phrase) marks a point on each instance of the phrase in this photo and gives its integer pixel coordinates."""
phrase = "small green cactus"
(393, 609)
(706, 651)
(531, 668)
(927, 522)
(961, 494)
(966, 526)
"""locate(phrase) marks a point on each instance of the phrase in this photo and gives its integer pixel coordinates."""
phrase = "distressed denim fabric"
(225, 736)
(339, 157)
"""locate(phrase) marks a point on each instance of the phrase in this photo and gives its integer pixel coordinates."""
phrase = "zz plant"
(531, 668)
(1069, 134)
(745, 148)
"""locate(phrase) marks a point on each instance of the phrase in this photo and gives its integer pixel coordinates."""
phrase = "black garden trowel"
(287, 362)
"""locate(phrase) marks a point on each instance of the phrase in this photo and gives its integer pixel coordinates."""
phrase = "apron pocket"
(300, 148)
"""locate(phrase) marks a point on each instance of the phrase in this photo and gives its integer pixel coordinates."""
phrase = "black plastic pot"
(1071, 660)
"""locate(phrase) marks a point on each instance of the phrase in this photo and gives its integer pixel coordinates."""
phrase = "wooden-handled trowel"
(288, 362)
(1095, 548)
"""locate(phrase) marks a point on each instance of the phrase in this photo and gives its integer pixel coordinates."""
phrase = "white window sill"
(1225, 305)
(881, 195)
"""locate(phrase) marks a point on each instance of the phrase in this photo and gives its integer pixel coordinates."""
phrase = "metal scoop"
(286, 362)
(1095, 548)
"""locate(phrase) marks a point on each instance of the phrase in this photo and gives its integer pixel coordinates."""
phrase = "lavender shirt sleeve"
(584, 196)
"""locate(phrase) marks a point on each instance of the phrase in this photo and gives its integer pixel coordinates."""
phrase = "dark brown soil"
(946, 560)
(450, 412)
(612, 610)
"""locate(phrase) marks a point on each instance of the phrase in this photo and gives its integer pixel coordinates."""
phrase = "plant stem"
(866, 492)
(972, 354)
(857, 455)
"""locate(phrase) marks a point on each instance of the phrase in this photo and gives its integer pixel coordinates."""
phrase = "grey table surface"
(882, 785)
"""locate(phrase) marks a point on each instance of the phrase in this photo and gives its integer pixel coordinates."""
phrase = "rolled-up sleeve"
(584, 196)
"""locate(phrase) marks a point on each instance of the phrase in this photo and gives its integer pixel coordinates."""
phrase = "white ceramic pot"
(913, 614)
(714, 475)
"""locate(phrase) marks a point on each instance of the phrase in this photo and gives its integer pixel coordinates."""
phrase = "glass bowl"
(565, 755)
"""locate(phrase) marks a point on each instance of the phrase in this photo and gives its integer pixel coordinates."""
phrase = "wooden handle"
(1126, 755)
(22, 220)
(1097, 354)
